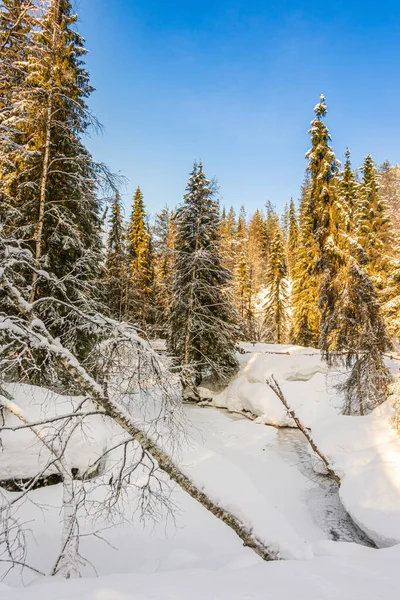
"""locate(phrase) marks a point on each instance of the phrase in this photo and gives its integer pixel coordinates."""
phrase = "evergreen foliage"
(353, 331)
(141, 263)
(164, 242)
(244, 297)
(374, 228)
(48, 176)
(203, 331)
(292, 238)
(276, 306)
(306, 282)
(228, 241)
(116, 263)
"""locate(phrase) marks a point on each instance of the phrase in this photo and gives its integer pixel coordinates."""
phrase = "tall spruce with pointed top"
(292, 238)
(141, 264)
(348, 190)
(353, 332)
(202, 335)
(48, 176)
(115, 266)
(17, 19)
(163, 236)
(244, 296)
(374, 228)
(306, 282)
(276, 307)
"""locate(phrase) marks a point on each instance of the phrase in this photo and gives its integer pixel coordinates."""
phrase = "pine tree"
(141, 263)
(241, 231)
(306, 282)
(163, 236)
(255, 251)
(202, 333)
(270, 227)
(244, 297)
(48, 176)
(116, 264)
(228, 238)
(348, 189)
(374, 230)
(353, 332)
(292, 238)
(276, 314)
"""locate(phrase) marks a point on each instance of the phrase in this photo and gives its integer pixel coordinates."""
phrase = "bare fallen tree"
(123, 379)
(275, 387)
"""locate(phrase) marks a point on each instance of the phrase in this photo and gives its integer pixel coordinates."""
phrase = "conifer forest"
(200, 401)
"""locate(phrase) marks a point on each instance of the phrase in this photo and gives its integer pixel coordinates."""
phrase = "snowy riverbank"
(364, 451)
(263, 475)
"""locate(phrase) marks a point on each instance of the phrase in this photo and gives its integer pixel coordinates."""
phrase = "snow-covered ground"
(364, 451)
(262, 474)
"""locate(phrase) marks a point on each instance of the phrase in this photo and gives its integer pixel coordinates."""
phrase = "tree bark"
(116, 412)
(46, 157)
(275, 387)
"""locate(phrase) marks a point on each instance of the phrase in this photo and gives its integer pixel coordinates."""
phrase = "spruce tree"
(276, 313)
(389, 187)
(353, 332)
(292, 238)
(163, 236)
(306, 282)
(348, 189)
(241, 231)
(374, 230)
(48, 175)
(115, 266)
(17, 19)
(255, 251)
(141, 264)
(203, 332)
(244, 297)
(228, 238)
(270, 227)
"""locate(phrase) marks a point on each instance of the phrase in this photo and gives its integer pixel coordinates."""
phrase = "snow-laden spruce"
(203, 332)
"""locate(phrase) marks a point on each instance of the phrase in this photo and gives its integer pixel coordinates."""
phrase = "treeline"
(325, 273)
(275, 287)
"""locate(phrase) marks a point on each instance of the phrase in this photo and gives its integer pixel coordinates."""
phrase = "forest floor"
(267, 478)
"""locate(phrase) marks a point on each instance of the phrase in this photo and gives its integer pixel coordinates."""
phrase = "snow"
(364, 451)
(23, 455)
(367, 576)
(263, 475)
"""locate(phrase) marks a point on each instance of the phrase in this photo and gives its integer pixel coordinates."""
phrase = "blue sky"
(234, 83)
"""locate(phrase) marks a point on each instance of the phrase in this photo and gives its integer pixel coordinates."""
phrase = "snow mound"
(364, 451)
(301, 374)
(23, 455)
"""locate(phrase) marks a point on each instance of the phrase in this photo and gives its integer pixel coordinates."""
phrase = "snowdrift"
(364, 451)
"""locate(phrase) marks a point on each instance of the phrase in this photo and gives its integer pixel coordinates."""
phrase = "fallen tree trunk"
(99, 394)
(275, 387)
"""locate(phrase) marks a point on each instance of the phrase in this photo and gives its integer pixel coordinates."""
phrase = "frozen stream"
(278, 465)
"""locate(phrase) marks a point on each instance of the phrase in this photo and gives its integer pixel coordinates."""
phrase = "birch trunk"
(117, 412)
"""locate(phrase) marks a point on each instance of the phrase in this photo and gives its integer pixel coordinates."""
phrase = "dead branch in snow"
(125, 369)
(275, 387)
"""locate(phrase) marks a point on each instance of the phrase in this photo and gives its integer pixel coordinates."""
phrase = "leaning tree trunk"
(116, 412)
(275, 387)
(67, 563)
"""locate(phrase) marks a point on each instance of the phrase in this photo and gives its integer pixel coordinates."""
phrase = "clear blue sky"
(234, 82)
